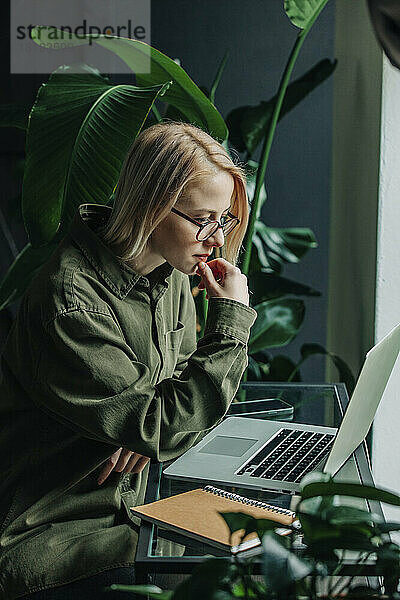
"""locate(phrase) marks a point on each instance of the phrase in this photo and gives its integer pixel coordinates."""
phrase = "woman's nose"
(217, 239)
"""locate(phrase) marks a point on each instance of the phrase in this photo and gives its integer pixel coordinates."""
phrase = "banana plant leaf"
(174, 114)
(303, 13)
(248, 124)
(184, 94)
(278, 322)
(79, 132)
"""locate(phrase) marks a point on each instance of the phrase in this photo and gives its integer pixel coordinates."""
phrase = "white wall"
(386, 433)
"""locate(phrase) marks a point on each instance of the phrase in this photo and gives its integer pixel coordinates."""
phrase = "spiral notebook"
(196, 514)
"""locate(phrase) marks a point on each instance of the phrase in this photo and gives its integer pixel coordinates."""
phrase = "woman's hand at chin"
(221, 279)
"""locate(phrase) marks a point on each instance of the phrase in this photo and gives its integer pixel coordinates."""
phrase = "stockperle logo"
(45, 34)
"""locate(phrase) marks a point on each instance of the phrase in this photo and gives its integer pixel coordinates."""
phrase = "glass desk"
(162, 551)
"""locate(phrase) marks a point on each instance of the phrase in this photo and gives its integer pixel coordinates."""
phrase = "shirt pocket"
(173, 338)
(173, 341)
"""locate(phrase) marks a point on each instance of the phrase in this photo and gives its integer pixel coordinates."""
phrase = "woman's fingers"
(109, 466)
(208, 280)
(123, 461)
(137, 465)
(222, 279)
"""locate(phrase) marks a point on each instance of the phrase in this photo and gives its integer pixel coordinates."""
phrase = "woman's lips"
(203, 256)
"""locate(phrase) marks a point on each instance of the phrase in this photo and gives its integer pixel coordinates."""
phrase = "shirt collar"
(119, 277)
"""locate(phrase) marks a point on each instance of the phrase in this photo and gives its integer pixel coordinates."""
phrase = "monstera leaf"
(278, 321)
(276, 246)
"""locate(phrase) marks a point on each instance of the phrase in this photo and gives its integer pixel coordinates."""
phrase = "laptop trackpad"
(228, 446)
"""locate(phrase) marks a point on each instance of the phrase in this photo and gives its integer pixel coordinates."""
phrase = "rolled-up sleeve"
(91, 380)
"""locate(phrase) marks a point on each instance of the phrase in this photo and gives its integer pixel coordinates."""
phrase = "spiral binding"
(237, 498)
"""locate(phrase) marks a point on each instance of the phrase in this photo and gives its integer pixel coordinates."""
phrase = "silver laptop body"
(275, 455)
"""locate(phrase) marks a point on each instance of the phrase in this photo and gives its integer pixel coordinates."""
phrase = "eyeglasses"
(209, 228)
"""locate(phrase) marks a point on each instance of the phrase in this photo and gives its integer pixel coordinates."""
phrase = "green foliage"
(278, 322)
(184, 94)
(98, 121)
(303, 13)
(249, 124)
(295, 565)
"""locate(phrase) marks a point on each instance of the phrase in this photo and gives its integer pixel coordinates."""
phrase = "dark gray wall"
(259, 37)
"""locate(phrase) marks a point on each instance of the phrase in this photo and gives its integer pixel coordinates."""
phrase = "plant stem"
(218, 77)
(8, 235)
(270, 136)
(156, 113)
(268, 139)
(295, 370)
(363, 557)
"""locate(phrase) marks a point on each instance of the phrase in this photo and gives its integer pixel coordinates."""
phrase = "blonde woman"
(102, 372)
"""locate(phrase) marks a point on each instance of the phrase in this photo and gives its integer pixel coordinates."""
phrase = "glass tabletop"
(322, 404)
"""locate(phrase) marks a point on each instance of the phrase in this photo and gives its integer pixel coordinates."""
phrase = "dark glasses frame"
(201, 226)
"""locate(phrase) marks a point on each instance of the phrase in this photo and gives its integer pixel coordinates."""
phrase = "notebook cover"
(195, 513)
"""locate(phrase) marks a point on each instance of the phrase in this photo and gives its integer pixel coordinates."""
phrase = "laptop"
(275, 455)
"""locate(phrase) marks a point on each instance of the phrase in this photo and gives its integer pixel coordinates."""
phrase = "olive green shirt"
(100, 357)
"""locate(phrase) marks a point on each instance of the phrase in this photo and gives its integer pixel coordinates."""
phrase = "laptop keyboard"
(290, 455)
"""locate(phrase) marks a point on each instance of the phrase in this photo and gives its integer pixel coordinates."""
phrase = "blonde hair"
(163, 160)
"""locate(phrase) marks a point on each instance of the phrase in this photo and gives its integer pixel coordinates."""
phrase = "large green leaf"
(259, 259)
(282, 245)
(241, 520)
(184, 94)
(356, 490)
(266, 285)
(248, 124)
(303, 13)
(278, 322)
(217, 77)
(79, 132)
